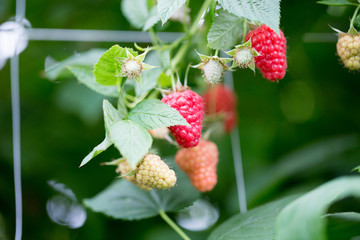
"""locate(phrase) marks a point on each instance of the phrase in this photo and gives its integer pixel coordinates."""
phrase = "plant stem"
(195, 24)
(245, 29)
(353, 17)
(173, 225)
(182, 51)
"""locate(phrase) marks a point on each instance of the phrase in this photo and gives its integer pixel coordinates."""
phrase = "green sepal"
(138, 79)
(202, 56)
(199, 66)
(352, 31)
(131, 173)
(231, 52)
(255, 53)
(245, 44)
(225, 60)
(128, 54)
(141, 57)
(336, 30)
(147, 66)
(113, 162)
(121, 60)
(252, 66)
(205, 58)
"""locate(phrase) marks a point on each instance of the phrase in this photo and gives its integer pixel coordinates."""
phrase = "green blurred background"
(295, 134)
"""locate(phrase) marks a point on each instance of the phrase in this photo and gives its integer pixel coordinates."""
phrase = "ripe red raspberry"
(189, 105)
(272, 48)
(348, 49)
(221, 99)
(199, 163)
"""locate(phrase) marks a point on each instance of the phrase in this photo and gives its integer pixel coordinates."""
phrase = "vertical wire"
(20, 9)
(15, 104)
(236, 151)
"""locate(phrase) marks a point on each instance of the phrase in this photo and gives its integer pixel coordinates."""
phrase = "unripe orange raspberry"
(348, 49)
(204, 179)
(199, 163)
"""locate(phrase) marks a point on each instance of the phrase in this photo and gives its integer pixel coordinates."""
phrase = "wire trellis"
(43, 34)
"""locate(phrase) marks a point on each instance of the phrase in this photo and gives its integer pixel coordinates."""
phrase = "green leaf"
(97, 150)
(357, 22)
(343, 225)
(339, 3)
(225, 24)
(164, 59)
(152, 19)
(85, 75)
(303, 218)
(135, 11)
(111, 115)
(75, 98)
(299, 161)
(258, 223)
(152, 113)
(167, 8)
(124, 200)
(121, 106)
(107, 67)
(54, 69)
(263, 11)
(164, 80)
(132, 140)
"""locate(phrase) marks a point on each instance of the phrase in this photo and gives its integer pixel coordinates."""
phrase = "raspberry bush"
(171, 96)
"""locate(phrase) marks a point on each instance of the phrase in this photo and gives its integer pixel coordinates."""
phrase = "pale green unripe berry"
(348, 49)
(132, 68)
(124, 168)
(213, 71)
(154, 173)
(243, 57)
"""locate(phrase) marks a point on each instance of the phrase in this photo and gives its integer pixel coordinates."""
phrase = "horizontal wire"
(82, 35)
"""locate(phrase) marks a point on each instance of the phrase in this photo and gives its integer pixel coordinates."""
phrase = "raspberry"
(213, 71)
(150, 173)
(154, 173)
(243, 57)
(221, 100)
(124, 168)
(132, 68)
(272, 49)
(189, 105)
(199, 163)
(205, 179)
(348, 49)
